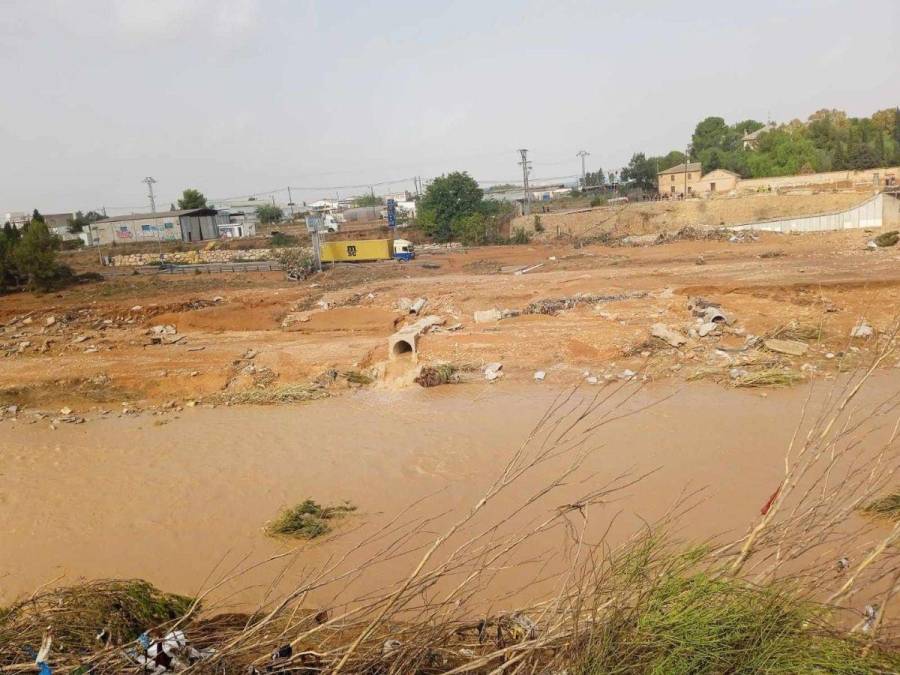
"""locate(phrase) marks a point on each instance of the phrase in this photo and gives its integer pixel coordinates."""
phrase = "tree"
(594, 178)
(673, 158)
(269, 213)
(192, 199)
(80, 220)
(714, 133)
(448, 199)
(34, 257)
(367, 200)
(37, 217)
(641, 172)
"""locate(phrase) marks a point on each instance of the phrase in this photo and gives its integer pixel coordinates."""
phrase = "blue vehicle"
(403, 250)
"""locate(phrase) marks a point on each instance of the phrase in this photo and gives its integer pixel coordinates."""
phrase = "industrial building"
(186, 225)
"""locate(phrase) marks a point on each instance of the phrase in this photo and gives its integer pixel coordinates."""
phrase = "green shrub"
(598, 201)
(538, 225)
(281, 240)
(520, 236)
(307, 520)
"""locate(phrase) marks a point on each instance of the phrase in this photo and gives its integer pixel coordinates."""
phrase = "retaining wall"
(193, 257)
(880, 210)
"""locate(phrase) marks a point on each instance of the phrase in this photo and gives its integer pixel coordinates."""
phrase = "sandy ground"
(92, 348)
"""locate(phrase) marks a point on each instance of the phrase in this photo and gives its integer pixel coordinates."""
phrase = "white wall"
(869, 214)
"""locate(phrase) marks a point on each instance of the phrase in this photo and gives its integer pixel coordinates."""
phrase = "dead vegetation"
(434, 376)
(768, 377)
(885, 507)
(307, 520)
(289, 393)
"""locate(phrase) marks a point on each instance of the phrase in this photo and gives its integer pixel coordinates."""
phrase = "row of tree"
(829, 140)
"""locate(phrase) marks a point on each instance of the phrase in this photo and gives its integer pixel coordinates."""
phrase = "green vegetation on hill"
(828, 141)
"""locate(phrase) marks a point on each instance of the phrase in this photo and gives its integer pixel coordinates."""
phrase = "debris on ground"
(493, 371)
(862, 330)
(768, 377)
(552, 306)
(434, 376)
(539, 375)
(671, 337)
(417, 305)
(526, 270)
(488, 315)
(789, 347)
(887, 239)
(705, 329)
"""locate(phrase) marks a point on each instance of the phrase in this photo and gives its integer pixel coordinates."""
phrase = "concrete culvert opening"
(402, 347)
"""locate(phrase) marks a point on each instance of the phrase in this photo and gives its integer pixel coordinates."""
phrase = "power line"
(149, 180)
(582, 154)
(525, 167)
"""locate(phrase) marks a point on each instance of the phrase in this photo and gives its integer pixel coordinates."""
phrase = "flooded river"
(181, 502)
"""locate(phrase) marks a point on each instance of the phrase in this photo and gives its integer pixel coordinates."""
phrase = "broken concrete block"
(493, 371)
(406, 340)
(539, 376)
(705, 329)
(417, 306)
(790, 347)
(862, 330)
(667, 335)
(488, 315)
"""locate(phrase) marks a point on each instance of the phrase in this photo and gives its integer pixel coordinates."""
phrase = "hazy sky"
(242, 96)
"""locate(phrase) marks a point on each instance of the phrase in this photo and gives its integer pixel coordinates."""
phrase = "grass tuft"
(885, 507)
(694, 623)
(771, 377)
(794, 330)
(356, 377)
(292, 393)
(307, 520)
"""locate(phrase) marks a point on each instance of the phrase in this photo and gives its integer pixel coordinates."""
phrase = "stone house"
(674, 180)
(718, 180)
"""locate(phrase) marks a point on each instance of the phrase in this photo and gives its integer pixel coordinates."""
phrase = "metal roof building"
(185, 225)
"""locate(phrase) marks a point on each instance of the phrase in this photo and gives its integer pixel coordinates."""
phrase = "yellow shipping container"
(359, 250)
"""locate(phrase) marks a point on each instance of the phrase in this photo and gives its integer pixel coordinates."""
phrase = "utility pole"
(290, 202)
(149, 180)
(582, 154)
(687, 159)
(525, 166)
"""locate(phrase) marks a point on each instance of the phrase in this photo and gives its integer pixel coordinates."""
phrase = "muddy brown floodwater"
(182, 502)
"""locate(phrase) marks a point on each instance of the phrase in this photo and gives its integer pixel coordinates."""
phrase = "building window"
(689, 176)
(673, 177)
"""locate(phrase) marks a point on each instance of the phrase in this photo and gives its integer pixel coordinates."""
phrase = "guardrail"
(200, 268)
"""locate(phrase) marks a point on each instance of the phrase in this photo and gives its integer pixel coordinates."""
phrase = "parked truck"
(367, 250)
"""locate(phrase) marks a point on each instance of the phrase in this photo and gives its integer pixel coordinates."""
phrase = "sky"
(236, 97)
